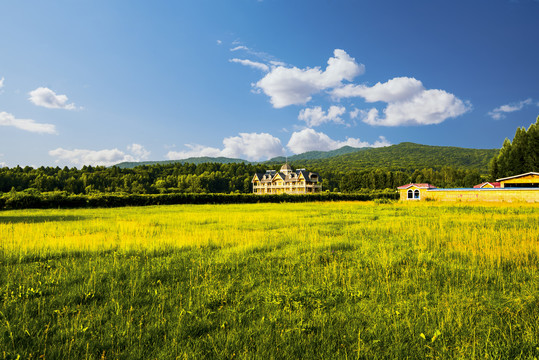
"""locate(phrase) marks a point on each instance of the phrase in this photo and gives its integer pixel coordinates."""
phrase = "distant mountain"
(316, 155)
(405, 156)
(191, 160)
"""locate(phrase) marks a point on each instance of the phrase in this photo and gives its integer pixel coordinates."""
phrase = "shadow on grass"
(39, 258)
(38, 219)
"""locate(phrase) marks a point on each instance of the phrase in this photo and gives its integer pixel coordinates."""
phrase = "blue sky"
(99, 82)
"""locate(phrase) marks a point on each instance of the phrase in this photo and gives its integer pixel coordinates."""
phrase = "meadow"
(319, 280)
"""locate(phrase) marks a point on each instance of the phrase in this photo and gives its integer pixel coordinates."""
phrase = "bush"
(60, 199)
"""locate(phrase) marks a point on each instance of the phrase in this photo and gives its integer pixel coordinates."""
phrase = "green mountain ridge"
(406, 156)
(355, 170)
(191, 160)
(315, 155)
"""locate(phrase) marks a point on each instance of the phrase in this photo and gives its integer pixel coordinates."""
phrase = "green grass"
(311, 280)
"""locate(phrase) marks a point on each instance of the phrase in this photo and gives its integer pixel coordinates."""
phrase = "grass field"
(312, 280)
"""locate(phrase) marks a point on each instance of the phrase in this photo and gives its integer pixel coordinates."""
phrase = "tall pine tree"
(532, 150)
(519, 156)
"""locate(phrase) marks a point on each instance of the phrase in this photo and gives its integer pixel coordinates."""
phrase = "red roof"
(420, 185)
(482, 185)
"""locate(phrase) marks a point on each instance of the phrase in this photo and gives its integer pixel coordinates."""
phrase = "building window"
(416, 194)
(531, 185)
(410, 194)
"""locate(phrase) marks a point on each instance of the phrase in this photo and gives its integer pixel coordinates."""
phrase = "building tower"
(286, 169)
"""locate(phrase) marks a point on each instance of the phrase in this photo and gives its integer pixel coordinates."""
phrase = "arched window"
(410, 194)
(416, 194)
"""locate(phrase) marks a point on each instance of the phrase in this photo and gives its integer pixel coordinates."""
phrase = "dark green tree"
(518, 156)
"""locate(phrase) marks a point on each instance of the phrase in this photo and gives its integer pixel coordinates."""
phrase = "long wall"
(497, 194)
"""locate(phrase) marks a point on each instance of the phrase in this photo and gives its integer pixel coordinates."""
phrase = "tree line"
(518, 156)
(58, 199)
(515, 157)
(209, 178)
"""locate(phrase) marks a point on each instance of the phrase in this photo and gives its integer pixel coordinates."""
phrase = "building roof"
(288, 176)
(264, 177)
(286, 167)
(307, 175)
(280, 174)
(418, 185)
(482, 185)
(517, 176)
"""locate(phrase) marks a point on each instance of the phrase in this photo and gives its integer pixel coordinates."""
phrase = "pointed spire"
(286, 169)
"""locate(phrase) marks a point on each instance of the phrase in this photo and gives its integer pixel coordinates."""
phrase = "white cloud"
(2, 82)
(253, 64)
(195, 150)
(293, 86)
(139, 151)
(251, 146)
(310, 140)
(45, 97)
(2, 164)
(106, 157)
(354, 114)
(397, 89)
(277, 63)
(409, 103)
(254, 145)
(81, 157)
(30, 125)
(219, 42)
(258, 54)
(240, 47)
(428, 108)
(499, 112)
(316, 116)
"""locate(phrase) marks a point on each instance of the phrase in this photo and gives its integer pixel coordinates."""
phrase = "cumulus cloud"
(83, 157)
(354, 114)
(316, 116)
(105, 157)
(397, 89)
(251, 146)
(499, 112)
(253, 64)
(195, 150)
(30, 125)
(428, 108)
(45, 97)
(2, 82)
(139, 151)
(310, 140)
(409, 103)
(294, 86)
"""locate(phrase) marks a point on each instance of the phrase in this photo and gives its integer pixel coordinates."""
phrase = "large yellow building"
(287, 181)
(523, 187)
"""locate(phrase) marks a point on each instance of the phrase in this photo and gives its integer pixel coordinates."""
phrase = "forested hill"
(316, 155)
(310, 155)
(191, 160)
(380, 168)
(404, 157)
